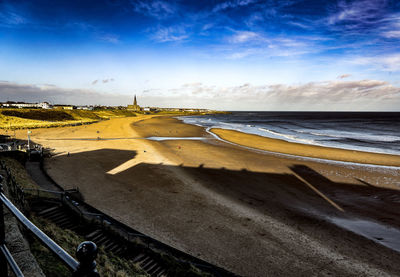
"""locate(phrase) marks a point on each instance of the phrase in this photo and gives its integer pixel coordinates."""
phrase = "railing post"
(86, 254)
(3, 261)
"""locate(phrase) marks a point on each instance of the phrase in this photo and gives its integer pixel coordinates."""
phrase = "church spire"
(135, 107)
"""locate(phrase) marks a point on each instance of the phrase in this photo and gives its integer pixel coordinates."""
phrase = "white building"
(21, 105)
(44, 105)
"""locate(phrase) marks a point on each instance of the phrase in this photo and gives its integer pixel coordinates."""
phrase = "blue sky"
(236, 55)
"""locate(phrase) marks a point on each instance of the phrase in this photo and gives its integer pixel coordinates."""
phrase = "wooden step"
(92, 234)
(97, 236)
(139, 257)
(149, 269)
(56, 216)
(144, 261)
(105, 240)
(155, 271)
(148, 264)
(64, 220)
(114, 247)
(109, 244)
(46, 211)
(53, 213)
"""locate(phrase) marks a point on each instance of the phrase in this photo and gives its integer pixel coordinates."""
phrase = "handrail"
(86, 251)
(17, 271)
(44, 190)
(60, 252)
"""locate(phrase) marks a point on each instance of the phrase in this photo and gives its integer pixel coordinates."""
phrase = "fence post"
(86, 254)
(3, 262)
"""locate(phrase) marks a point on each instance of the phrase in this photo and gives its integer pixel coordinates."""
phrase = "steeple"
(135, 107)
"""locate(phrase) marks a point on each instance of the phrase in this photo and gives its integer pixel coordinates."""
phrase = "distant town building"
(87, 108)
(135, 107)
(150, 109)
(23, 105)
(68, 107)
(45, 105)
(64, 107)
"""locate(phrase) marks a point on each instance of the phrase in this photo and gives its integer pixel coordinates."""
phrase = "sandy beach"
(313, 151)
(251, 212)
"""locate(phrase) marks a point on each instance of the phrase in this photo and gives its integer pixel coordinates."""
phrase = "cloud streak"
(247, 43)
(328, 95)
(56, 95)
(104, 81)
(232, 4)
(170, 34)
(344, 76)
(357, 14)
(154, 8)
(111, 38)
(10, 17)
(388, 62)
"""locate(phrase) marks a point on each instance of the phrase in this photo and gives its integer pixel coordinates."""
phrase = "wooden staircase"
(65, 219)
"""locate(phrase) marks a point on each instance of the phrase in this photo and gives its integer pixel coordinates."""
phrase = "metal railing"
(86, 252)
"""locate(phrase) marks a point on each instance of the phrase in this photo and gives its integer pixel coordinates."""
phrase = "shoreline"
(258, 142)
(324, 136)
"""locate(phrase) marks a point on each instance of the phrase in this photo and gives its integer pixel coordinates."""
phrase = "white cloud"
(170, 34)
(245, 36)
(248, 43)
(11, 17)
(391, 26)
(390, 62)
(232, 4)
(301, 25)
(328, 95)
(391, 34)
(32, 93)
(110, 38)
(154, 8)
(343, 76)
(357, 13)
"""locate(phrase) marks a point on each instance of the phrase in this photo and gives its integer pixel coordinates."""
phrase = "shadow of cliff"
(366, 200)
(272, 193)
(140, 188)
(103, 159)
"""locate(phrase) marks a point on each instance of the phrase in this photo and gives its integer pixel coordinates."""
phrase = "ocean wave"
(357, 136)
(290, 137)
(323, 132)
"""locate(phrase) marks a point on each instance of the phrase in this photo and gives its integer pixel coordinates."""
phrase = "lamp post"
(29, 139)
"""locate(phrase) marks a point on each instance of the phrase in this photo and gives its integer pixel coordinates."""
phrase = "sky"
(227, 55)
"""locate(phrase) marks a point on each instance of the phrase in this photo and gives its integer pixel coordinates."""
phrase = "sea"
(377, 132)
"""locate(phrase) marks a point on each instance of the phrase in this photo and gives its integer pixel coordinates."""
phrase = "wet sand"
(253, 213)
(281, 146)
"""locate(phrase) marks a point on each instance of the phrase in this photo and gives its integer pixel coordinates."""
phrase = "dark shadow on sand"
(284, 197)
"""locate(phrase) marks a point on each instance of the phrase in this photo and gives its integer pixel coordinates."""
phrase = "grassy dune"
(19, 173)
(34, 118)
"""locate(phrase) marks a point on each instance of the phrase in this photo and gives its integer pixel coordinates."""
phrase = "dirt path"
(39, 177)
